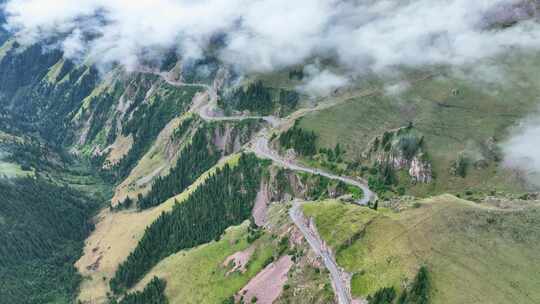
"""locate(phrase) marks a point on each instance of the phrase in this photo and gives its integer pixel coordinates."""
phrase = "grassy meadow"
(475, 253)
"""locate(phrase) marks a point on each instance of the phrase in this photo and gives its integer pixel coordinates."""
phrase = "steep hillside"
(222, 169)
(117, 234)
(225, 266)
(459, 116)
(474, 253)
(43, 227)
(48, 200)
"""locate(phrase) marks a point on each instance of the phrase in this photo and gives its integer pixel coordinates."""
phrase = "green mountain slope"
(168, 175)
(457, 115)
(475, 253)
(42, 230)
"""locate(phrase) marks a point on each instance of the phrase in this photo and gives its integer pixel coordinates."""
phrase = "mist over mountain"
(270, 35)
(269, 151)
(522, 150)
(264, 36)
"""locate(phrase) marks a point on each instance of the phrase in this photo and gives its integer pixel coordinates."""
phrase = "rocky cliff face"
(420, 170)
(402, 149)
(230, 136)
(285, 185)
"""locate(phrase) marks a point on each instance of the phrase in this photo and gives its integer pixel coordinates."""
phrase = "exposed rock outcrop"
(284, 185)
(229, 137)
(420, 170)
(402, 149)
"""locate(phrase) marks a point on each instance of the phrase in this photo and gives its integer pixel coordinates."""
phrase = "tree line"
(33, 103)
(148, 120)
(194, 160)
(153, 293)
(303, 142)
(225, 199)
(416, 293)
(42, 231)
(257, 97)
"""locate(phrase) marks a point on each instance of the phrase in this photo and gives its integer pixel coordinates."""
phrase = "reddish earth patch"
(260, 210)
(268, 284)
(296, 237)
(239, 260)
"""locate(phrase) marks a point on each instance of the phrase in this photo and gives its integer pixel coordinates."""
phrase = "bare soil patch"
(268, 284)
(239, 260)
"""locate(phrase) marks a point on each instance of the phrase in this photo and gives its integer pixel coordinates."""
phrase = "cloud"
(396, 89)
(522, 150)
(319, 82)
(427, 32)
(265, 35)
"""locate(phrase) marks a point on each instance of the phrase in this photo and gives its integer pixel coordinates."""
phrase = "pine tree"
(225, 199)
(153, 293)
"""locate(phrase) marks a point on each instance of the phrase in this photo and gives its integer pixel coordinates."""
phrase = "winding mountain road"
(261, 147)
(339, 277)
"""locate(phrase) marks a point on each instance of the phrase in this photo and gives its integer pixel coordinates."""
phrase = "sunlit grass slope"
(198, 275)
(455, 114)
(474, 253)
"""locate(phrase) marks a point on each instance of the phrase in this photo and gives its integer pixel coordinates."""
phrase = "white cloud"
(522, 150)
(264, 35)
(426, 32)
(396, 89)
(319, 82)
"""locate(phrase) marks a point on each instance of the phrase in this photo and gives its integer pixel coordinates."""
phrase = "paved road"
(207, 110)
(261, 148)
(261, 145)
(339, 278)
